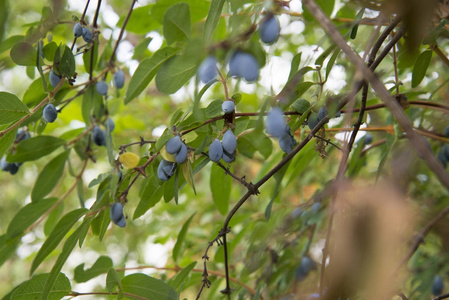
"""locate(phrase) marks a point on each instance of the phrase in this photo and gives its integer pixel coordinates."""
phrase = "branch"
(122, 30)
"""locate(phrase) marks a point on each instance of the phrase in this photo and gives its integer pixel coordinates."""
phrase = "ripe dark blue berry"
(22, 135)
(275, 122)
(215, 151)
(287, 142)
(116, 213)
(111, 125)
(9, 167)
(77, 30)
(102, 88)
(322, 113)
(207, 70)
(229, 142)
(438, 285)
(50, 113)
(228, 106)
(244, 65)
(165, 170)
(54, 78)
(87, 35)
(5, 166)
(228, 157)
(313, 120)
(269, 30)
(368, 139)
(173, 145)
(99, 136)
(181, 155)
(119, 79)
(304, 268)
(442, 158)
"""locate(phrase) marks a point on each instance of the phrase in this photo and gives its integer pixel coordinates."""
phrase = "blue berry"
(181, 155)
(245, 65)
(442, 158)
(207, 70)
(228, 157)
(87, 35)
(229, 142)
(5, 166)
(77, 30)
(116, 214)
(22, 135)
(215, 151)
(50, 114)
(54, 78)
(111, 125)
(119, 79)
(322, 113)
(275, 122)
(99, 136)
(368, 139)
(165, 170)
(438, 285)
(102, 88)
(287, 142)
(173, 145)
(313, 120)
(228, 106)
(269, 30)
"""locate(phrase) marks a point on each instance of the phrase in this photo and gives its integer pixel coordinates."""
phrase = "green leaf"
(27, 215)
(146, 71)
(56, 236)
(257, 295)
(67, 63)
(66, 250)
(278, 177)
(34, 148)
(420, 67)
(48, 178)
(98, 180)
(176, 23)
(301, 105)
(177, 250)
(7, 140)
(11, 108)
(8, 247)
(32, 289)
(53, 219)
(102, 265)
(50, 51)
(35, 93)
(214, 109)
(355, 24)
(295, 65)
(213, 16)
(113, 280)
(24, 54)
(151, 194)
(138, 286)
(4, 12)
(220, 186)
(141, 21)
(179, 280)
(174, 73)
(142, 47)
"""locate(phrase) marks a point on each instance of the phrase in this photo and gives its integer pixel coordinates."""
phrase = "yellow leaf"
(167, 156)
(129, 160)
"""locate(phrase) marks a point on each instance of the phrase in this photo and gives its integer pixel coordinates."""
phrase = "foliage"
(104, 126)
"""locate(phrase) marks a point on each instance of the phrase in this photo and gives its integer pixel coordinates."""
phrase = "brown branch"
(122, 30)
